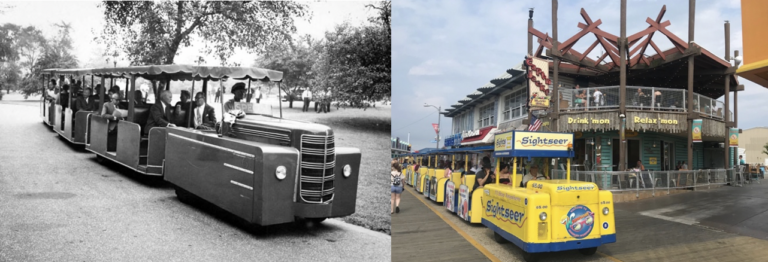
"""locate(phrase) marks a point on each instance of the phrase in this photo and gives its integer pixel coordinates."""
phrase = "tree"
(56, 53)
(295, 60)
(9, 76)
(153, 32)
(359, 63)
(765, 149)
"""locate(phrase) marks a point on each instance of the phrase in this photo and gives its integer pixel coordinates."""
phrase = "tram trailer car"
(266, 170)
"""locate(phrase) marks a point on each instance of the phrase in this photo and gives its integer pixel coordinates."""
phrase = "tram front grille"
(318, 159)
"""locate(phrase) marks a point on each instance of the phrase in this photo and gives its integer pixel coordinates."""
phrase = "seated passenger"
(63, 98)
(448, 170)
(160, 113)
(85, 102)
(184, 103)
(138, 98)
(204, 116)
(503, 174)
(483, 174)
(112, 111)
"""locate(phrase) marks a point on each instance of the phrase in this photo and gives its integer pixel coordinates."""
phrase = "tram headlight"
(605, 211)
(543, 216)
(347, 170)
(280, 172)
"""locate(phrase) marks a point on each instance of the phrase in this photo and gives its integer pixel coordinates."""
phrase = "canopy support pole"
(514, 172)
(131, 99)
(568, 172)
(279, 94)
(221, 89)
(101, 94)
(498, 160)
(190, 114)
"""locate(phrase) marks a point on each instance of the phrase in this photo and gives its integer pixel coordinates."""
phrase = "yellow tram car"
(545, 215)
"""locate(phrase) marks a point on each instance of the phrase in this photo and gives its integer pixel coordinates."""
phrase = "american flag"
(535, 124)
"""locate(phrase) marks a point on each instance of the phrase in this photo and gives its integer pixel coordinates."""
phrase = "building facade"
(656, 108)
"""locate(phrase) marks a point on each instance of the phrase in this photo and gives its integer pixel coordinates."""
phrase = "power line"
(414, 122)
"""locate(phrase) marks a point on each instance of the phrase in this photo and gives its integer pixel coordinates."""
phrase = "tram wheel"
(100, 159)
(588, 251)
(184, 195)
(530, 257)
(498, 238)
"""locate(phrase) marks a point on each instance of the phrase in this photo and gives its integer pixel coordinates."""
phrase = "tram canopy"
(189, 72)
(68, 71)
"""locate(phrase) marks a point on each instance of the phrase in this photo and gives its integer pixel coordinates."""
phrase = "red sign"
(437, 128)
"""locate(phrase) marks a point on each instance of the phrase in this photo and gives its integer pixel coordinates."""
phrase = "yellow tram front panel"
(576, 215)
(456, 178)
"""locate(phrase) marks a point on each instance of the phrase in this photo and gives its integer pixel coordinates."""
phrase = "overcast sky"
(444, 50)
(87, 21)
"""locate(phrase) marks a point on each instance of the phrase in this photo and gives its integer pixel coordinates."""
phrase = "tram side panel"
(98, 134)
(128, 143)
(238, 176)
(156, 150)
(81, 126)
(67, 132)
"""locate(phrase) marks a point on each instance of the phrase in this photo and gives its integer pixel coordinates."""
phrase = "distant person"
(85, 102)
(396, 187)
(112, 111)
(160, 113)
(306, 96)
(640, 166)
(218, 95)
(204, 116)
(741, 161)
(327, 99)
(581, 97)
(257, 95)
(597, 96)
(684, 166)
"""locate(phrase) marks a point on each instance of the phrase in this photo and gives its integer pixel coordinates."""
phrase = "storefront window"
(487, 116)
(514, 105)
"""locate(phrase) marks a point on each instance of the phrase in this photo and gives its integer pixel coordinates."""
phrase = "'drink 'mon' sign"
(577, 120)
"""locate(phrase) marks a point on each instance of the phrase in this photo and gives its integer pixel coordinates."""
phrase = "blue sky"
(445, 50)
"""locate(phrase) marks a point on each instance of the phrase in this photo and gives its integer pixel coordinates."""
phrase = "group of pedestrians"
(321, 98)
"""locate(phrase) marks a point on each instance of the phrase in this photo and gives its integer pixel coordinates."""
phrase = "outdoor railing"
(657, 180)
(640, 98)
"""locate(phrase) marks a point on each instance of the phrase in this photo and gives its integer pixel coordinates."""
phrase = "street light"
(438, 124)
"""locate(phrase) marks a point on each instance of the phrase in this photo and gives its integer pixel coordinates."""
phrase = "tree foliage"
(153, 32)
(354, 61)
(765, 149)
(295, 60)
(56, 52)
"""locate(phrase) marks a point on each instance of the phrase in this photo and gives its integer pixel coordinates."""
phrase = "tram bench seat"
(140, 116)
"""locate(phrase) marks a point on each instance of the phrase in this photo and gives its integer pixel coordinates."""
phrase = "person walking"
(319, 101)
(257, 95)
(218, 95)
(306, 96)
(328, 98)
(396, 185)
